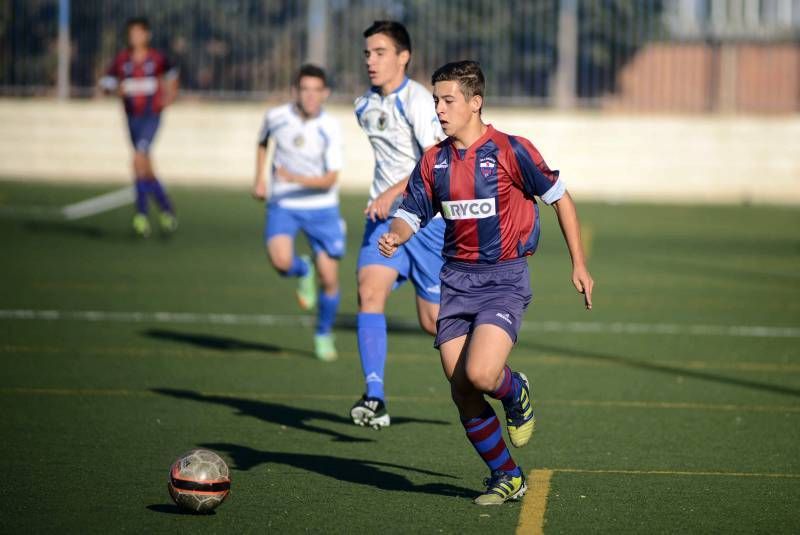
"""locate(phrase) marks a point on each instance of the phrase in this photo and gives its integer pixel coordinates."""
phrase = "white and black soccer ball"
(199, 481)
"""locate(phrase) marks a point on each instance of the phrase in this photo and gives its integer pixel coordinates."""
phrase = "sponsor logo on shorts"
(505, 317)
(435, 289)
(469, 209)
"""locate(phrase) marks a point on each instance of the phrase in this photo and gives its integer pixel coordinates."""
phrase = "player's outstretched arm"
(259, 190)
(399, 233)
(571, 228)
(325, 181)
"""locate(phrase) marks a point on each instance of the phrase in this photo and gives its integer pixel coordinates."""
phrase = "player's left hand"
(380, 207)
(584, 284)
(388, 244)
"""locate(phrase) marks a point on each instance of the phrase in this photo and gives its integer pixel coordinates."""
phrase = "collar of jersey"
(478, 143)
(376, 89)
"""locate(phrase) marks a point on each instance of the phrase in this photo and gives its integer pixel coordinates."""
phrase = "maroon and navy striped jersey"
(485, 194)
(141, 81)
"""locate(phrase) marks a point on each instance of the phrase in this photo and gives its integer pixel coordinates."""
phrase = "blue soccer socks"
(326, 314)
(372, 348)
(159, 193)
(141, 195)
(299, 268)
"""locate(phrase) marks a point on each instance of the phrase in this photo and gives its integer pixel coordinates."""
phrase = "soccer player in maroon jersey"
(147, 83)
(484, 184)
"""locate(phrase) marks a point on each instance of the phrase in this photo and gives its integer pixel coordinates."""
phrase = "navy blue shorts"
(143, 130)
(475, 294)
(324, 227)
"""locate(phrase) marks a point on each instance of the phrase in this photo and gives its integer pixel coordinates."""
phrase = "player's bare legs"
(427, 312)
(328, 272)
(280, 250)
(475, 365)
(374, 286)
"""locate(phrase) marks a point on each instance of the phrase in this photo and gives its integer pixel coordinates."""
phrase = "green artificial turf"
(645, 432)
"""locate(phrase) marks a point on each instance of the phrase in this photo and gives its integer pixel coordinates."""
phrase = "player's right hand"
(388, 244)
(380, 208)
(259, 190)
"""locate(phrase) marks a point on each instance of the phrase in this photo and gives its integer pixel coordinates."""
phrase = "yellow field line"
(676, 405)
(415, 399)
(531, 515)
(534, 505)
(676, 473)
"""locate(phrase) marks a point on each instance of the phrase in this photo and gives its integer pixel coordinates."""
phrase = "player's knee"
(281, 262)
(370, 297)
(481, 378)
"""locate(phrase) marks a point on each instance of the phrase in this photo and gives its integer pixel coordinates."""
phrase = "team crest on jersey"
(382, 121)
(487, 166)
(299, 141)
(149, 67)
(127, 68)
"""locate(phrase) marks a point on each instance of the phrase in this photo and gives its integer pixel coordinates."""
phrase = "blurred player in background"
(305, 198)
(397, 115)
(147, 83)
(484, 183)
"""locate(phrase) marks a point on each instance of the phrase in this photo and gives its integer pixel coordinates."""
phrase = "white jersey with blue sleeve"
(310, 147)
(399, 126)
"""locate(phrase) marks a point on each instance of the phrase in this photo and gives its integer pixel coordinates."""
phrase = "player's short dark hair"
(310, 70)
(137, 21)
(467, 73)
(393, 29)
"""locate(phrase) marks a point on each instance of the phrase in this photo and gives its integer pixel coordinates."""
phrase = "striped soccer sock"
(486, 436)
(509, 388)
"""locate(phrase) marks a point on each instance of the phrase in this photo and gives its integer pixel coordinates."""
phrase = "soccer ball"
(199, 481)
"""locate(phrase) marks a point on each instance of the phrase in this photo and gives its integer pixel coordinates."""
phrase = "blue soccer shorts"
(324, 227)
(419, 259)
(143, 129)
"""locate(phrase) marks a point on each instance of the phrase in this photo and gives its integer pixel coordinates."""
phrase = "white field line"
(79, 210)
(286, 320)
(99, 204)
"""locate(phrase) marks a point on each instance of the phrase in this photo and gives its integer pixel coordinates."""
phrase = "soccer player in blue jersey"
(397, 115)
(147, 82)
(305, 198)
(484, 184)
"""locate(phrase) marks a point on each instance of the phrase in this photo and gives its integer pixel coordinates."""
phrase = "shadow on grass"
(286, 415)
(219, 343)
(275, 413)
(172, 509)
(72, 229)
(360, 472)
(662, 368)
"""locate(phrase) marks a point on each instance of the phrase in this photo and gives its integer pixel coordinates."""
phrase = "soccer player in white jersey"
(398, 116)
(304, 197)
